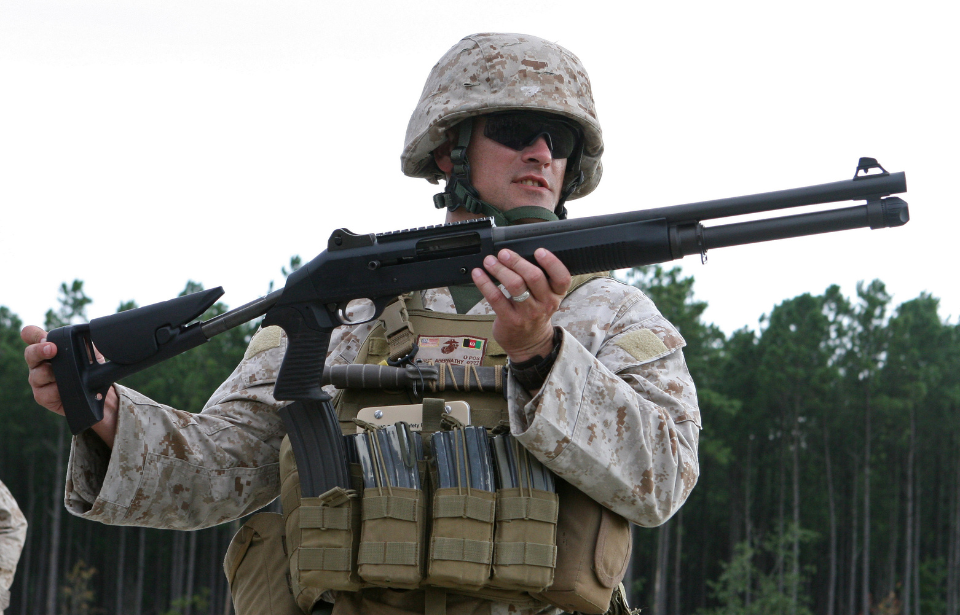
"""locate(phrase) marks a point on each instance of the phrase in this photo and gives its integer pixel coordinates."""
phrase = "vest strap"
(464, 506)
(462, 550)
(324, 518)
(433, 411)
(527, 508)
(393, 553)
(525, 553)
(380, 507)
(337, 559)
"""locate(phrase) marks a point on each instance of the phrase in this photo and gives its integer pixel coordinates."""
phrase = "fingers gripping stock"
(130, 341)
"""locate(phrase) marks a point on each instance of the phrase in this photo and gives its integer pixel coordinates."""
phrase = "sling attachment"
(364, 425)
(434, 410)
(701, 244)
(397, 328)
(618, 603)
(449, 422)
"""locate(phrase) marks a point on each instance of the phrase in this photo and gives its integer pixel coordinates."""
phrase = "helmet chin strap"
(459, 192)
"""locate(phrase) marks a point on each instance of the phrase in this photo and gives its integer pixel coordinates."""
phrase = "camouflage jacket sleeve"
(13, 533)
(179, 470)
(617, 416)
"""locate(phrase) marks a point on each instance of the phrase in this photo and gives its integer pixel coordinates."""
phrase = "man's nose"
(539, 151)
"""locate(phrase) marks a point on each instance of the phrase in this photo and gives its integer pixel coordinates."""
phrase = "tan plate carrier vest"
(525, 547)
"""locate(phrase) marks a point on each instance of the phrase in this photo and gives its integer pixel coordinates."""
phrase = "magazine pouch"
(525, 549)
(330, 539)
(461, 538)
(393, 531)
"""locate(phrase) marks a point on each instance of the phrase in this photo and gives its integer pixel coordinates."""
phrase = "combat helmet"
(489, 73)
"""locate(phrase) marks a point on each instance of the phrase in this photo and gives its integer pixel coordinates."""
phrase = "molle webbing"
(465, 507)
(389, 553)
(461, 550)
(326, 558)
(389, 507)
(525, 554)
(526, 508)
(323, 518)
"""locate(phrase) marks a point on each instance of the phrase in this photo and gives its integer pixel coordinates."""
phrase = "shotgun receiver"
(377, 268)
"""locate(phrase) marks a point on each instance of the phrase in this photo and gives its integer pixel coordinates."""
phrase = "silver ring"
(519, 298)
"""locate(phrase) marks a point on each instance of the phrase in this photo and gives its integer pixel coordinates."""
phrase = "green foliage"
(295, 263)
(744, 588)
(916, 350)
(78, 596)
(73, 306)
(673, 296)
(933, 585)
(198, 603)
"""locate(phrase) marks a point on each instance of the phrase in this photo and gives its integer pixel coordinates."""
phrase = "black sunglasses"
(520, 129)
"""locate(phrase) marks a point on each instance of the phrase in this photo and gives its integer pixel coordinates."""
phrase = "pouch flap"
(613, 549)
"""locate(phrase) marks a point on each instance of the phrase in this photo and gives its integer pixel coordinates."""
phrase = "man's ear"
(441, 156)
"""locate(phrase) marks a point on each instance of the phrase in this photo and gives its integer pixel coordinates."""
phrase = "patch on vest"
(642, 344)
(265, 339)
(494, 349)
(377, 346)
(458, 350)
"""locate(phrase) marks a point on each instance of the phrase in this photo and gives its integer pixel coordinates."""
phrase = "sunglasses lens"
(519, 130)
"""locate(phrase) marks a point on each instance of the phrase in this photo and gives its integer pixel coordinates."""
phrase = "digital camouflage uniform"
(13, 533)
(617, 417)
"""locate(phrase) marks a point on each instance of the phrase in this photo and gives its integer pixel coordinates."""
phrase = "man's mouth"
(531, 182)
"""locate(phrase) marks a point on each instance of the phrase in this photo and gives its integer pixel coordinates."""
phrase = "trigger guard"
(377, 305)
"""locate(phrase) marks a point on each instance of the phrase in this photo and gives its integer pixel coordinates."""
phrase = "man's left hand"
(524, 328)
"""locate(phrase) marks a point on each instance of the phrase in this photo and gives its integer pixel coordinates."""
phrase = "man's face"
(507, 178)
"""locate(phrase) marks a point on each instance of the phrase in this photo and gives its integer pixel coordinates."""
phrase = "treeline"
(830, 461)
(830, 470)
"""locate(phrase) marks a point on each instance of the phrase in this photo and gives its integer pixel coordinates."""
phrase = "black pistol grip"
(74, 357)
(302, 367)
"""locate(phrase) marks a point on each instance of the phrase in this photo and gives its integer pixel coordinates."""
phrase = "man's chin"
(547, 203)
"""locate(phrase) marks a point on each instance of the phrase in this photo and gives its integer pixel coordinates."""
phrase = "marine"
(13, 533)
(597, 388)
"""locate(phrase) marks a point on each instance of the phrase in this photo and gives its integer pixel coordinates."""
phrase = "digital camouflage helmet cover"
(490, 73)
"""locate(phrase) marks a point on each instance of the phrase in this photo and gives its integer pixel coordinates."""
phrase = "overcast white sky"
(146, 143)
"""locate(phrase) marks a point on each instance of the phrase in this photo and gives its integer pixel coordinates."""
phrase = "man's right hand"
(38, 354)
